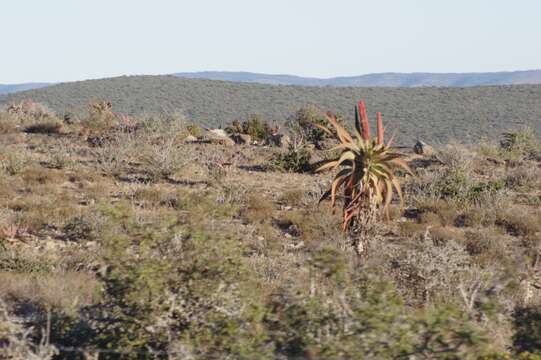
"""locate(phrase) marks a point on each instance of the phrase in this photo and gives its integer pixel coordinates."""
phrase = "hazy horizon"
(68, 40)
(276, 74)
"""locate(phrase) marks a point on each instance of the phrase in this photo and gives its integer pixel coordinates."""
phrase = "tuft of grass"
(38, 175)
(14, 160)
(293, 197)
(437, 212)
(520, 221)
(310, 226)
(258, 209)
(8, 124)
(443, 234)
(525, 177)
(62, 290)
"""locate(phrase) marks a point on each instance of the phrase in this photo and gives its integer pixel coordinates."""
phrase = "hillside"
(382, 79)
(11, 88)
(432, 114)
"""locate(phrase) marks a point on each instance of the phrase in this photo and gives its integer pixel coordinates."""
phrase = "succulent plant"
(367, 168)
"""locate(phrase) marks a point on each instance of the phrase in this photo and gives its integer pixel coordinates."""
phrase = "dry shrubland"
(120, 239)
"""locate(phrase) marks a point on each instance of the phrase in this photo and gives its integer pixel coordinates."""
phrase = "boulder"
(218, 132)
(422, 148)
(190, 139)
(219, 136)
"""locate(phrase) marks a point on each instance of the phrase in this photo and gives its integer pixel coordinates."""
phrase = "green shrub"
(457, 187)
(176, 289)
(194, 130)
(363, 318)
(294, 160)
(521, 143)
(100, 117)
(18, 262)
(302, 124)
(256, 126)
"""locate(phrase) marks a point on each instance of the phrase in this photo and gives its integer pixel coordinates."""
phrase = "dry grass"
(487, 244)
(37, 175)
(525, 177)
(443, 234)
(62, 290)
(437, 212)
(411, 230)
(8, 124)
(14, 159)
(318, 225)
(293, 197)
(520, 221)
(258, 210)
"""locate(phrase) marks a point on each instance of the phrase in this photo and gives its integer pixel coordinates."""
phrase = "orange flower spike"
(364, 121)
(380, 129)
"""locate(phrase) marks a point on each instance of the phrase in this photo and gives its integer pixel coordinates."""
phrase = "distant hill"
(383, 79)
(7, 89)
(369, 80)
(434, 114)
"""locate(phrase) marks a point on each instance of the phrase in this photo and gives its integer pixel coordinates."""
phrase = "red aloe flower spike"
(380, 129)
(364, 121)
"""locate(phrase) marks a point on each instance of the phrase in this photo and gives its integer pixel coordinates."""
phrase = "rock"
(422, 148)
(296, 246)
(219, 136)
(190, 139)
(243, 139)
(294, 230)
(218, 132)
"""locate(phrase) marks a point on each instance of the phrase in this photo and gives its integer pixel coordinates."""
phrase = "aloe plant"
(366, 169)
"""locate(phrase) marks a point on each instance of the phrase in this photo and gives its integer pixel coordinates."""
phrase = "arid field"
(142, 237)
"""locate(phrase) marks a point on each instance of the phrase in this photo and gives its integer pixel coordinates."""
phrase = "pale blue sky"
(64, 40)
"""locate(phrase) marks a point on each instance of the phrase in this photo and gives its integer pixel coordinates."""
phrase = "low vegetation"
(122, 237)
(432, 114)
